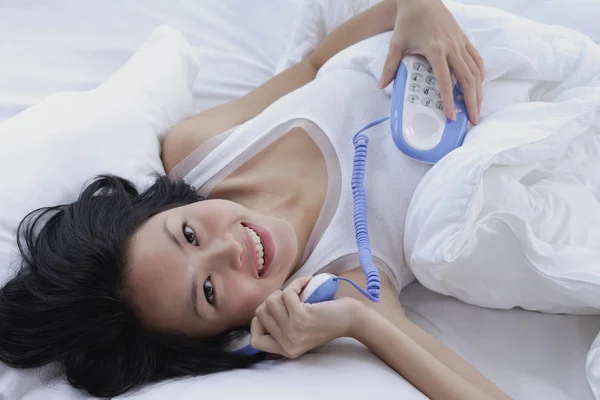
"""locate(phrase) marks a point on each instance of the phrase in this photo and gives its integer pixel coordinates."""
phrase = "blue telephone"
(419, 126)
(420, 131)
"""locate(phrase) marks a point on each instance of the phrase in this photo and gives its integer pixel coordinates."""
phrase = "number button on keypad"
(415, 88)
(416, 77)
(429, 91)
(427, 102)
(419, 67)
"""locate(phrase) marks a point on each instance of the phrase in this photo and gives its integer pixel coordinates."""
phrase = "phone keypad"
(422, 73)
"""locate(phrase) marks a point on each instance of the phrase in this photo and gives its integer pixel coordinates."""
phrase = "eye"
(209, 291)
(189, 234)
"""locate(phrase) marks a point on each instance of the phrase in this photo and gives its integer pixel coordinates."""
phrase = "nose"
(227, 251)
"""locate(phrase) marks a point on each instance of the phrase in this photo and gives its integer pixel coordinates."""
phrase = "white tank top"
(331, 109)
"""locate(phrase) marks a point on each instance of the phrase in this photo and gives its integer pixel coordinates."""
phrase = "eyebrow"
(194, 279)
(194, 295)
(171, 236)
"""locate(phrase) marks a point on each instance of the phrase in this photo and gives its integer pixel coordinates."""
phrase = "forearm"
(421, 368)
(258, 99)
(448, 357)
(377, 19)
(373, 21)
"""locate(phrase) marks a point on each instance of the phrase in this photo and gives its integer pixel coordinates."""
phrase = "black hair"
(66, 303)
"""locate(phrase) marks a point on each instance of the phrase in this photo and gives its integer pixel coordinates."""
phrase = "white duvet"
(512, 218)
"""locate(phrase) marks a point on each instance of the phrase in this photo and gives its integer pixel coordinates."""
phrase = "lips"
(250, 249)
(268, 247)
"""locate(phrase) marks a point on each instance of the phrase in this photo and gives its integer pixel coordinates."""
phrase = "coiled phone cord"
(360, 213)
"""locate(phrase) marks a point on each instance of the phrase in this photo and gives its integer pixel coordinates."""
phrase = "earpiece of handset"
(322, 287)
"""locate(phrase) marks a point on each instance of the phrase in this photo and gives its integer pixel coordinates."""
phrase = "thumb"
(395, 54)
(298, 284)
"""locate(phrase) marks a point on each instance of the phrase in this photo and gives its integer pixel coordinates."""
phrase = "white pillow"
(52, 150)
(58, 45)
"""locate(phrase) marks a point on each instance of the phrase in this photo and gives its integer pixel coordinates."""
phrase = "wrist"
(364, 319)
(389, 9)
(408, 7)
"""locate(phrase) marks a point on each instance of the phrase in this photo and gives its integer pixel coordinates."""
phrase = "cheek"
(245, 298)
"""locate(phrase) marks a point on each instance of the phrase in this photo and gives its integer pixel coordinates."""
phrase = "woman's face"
(193, 269)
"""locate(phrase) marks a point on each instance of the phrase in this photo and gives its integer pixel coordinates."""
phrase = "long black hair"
(66, 303)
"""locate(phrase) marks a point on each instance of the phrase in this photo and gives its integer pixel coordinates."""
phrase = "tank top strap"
(195, 157)
(208, 164)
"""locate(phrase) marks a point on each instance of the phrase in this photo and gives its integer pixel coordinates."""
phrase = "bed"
(75, 46)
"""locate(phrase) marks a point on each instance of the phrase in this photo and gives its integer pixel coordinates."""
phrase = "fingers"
(392, 61)
(261, 340)
(292, 301)
(291, 294)
(298, 284)
(276, 308)
(271, 313)
(468, 83)
(480, 67)
(477, 58)
(437, 58)
(475, 72)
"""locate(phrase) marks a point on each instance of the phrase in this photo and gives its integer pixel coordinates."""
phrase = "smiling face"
(195, 269)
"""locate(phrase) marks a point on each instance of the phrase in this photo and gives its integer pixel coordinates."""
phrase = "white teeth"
(258, 247)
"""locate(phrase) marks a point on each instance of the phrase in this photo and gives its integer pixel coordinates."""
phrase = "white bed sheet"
(530, 355)
(60, 45)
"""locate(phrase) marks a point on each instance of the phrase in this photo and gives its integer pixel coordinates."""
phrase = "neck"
(298, 211)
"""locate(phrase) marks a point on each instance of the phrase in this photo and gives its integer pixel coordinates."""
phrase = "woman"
(124, 288)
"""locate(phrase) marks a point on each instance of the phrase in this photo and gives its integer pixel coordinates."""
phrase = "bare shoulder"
(388, 305)
(188, 135)
(185, 137)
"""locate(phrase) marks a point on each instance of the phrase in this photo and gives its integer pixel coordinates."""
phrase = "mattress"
(63, 45)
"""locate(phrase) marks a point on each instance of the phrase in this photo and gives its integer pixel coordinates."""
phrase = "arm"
(422, 367)
(448, 358)
(189, 134)
(286, 326)
(437, 366)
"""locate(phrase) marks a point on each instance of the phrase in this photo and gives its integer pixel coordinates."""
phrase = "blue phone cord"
(360, 213)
